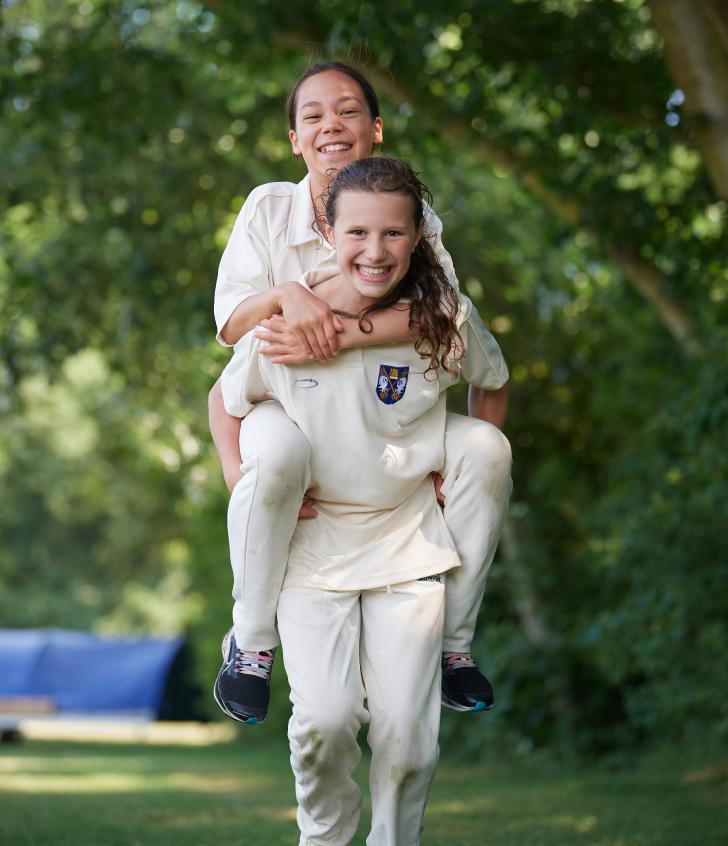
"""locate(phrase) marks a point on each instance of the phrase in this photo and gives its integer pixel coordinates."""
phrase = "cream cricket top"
(376, 426)
(274, 241)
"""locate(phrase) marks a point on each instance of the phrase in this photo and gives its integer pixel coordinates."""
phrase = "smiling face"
(374, 235)
(333, 125)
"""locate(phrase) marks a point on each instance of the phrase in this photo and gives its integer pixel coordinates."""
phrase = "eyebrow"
(313, 103)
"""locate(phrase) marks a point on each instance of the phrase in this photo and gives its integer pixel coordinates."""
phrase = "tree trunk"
(526, 603)
(540, 635)
(695, 33)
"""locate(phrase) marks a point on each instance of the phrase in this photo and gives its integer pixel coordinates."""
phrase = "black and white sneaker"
(464, 687)
(242, 687)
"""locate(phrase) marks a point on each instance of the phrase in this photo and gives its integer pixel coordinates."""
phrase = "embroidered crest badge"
(391, 383)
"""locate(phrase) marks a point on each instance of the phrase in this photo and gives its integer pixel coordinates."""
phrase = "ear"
(293, 138)
(329, 234)
(378, 130)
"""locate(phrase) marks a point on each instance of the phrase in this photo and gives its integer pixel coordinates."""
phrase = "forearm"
(388, 326)
(225, 431)
(491, 406)
(248, 315)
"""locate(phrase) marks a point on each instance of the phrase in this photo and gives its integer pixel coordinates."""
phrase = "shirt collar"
(312, 278)
(300, 227)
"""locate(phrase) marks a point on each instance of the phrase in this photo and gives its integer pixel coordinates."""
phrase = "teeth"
(372, 271)
(335, 148)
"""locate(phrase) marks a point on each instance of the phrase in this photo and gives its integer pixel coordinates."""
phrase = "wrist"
(284, 294)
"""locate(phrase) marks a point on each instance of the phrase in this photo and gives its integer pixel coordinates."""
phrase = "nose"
(332, 122)
(375, 248)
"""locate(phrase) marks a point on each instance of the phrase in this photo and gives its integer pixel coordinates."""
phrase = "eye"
(394, 233)
(311, 117)
(349, 112)
(357, 232)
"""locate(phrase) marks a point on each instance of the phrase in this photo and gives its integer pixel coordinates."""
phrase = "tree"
(696, 49)
(582, 210)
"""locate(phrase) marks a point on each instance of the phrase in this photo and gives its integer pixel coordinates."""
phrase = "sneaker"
(464, 687)
(242, 685)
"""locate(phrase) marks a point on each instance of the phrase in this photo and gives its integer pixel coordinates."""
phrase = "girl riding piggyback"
(334, 120)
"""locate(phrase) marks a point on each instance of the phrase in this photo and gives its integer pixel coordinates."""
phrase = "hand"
(437, 482)
(232, 474)
(311, 321)
(282, 343)
(307, 510)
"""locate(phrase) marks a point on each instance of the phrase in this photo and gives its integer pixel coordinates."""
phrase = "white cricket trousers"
(353, 656)
(264, 506)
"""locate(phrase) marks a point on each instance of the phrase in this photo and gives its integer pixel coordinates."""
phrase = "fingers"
(271, 349)
(283, 349)
(307, 510)
(268, 329)
(437, 481)
(282, 345)
(315, 338)
(322, 340)
(327, 337)
(324, 344)
(300, 341)
(289, 358)
(332, 337)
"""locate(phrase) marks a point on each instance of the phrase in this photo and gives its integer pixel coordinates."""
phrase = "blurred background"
(578, 156)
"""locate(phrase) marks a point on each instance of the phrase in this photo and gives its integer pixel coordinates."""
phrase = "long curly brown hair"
(433, 300)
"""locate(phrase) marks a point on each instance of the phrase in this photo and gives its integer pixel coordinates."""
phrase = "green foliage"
(662, 559)
(132, 133)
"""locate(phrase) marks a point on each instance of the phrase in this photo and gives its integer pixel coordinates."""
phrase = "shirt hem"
(449, 561)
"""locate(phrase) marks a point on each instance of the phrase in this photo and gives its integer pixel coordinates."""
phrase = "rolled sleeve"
(245, 267)
(482, 364)
(241, 381)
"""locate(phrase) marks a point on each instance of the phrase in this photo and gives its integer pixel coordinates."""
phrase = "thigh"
(472, 442)
(402, 629)
(320, 633)
(268, 433)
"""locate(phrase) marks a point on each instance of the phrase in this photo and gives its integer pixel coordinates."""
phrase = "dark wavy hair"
(433, 300)
(370, 95)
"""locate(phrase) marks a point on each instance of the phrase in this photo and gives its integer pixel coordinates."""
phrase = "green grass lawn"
(241, 794)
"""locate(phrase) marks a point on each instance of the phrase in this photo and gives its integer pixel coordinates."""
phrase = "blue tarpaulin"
(85, 673)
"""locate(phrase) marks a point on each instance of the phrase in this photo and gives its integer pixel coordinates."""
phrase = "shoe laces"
(259, 664)
(457, 661)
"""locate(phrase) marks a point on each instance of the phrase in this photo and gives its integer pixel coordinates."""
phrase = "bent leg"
(477, 486)
(262, 516)
(320, 633)
(400, 657)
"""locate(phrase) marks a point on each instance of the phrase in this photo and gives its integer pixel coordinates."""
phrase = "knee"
(284, 461)
(486, 444)
(409, 753)
(319, 739)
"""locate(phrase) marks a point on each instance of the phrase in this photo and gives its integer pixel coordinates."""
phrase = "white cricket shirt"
(376, 427)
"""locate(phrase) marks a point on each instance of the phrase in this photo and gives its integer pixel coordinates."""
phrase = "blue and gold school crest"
(391, 383)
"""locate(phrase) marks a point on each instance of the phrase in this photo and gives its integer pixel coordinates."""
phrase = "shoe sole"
(248, 721)
(463, 709)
